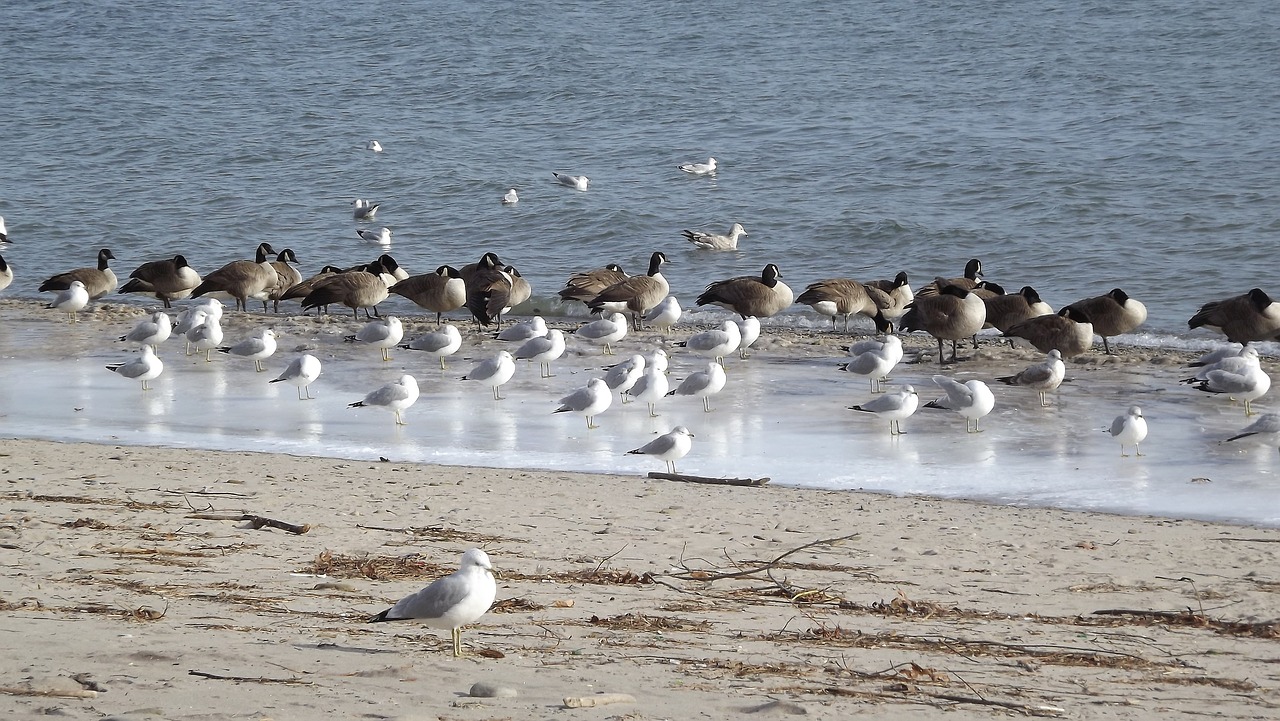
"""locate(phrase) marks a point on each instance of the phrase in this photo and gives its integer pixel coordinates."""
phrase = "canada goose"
(392, 266)
(143, 367)
(761, 296)
(4, 232)
(1069, 332)
(899, 292)
(668, 447)
(488, 288)
(520, 289)
(1006, 311)
(707, 168)
(952, 314)
(303, 289)
(97, 281)
(636, 294)
(1112, 314)
(1040, 377)
(287, 276)
(71, 301)
(713, 241)
(442, 291)
(1129, 429)
(167, 280)
(357, 289)
(1242, 319)
(589, 401)
(242, 279)
(577, 182)
(511, 197)
(6, 274)
(587, 285)
(843, 297)
(972, 276)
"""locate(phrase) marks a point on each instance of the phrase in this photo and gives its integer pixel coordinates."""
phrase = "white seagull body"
(668, 447)
(145, 367)
(395, 397)
(302, 372)
(451, 602)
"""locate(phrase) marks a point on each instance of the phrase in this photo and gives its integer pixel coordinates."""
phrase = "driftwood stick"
(600, 699)
(255, 521)
(52, 693)
(249, 679)
(705, 479)
(704, 576)
(1147, 614)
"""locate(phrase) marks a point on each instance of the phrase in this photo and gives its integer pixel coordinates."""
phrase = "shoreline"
(924, 606)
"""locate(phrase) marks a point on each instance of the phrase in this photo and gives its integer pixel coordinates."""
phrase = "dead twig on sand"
(1029, 709)
(256, 522)
(750, 482)
(248, 679)
(717, 576)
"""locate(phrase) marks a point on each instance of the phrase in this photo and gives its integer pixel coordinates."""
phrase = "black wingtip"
(380, 617)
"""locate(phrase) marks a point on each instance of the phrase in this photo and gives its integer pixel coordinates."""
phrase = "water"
(1072, 147)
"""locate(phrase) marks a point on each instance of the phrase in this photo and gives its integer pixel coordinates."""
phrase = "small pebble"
(484, 689)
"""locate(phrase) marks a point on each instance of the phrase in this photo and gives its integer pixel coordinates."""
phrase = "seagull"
(1042, 377)
(715, 343)
(657, 358)
(874, 360)
(256, 348)
(382, 236)
(71, 301)
(543, 349)
(749, 329)
(510, 198)
(144, 367)
(524, 330)
(711, 241)
(1240, 363)
(590, 401)
(151, 331)
(195, 315)
(623, 376)
(205, 335)
(971, 399)
(651, 388)
(893, 407)
(604, 330)
(1248, 385)
(1230, 350)
(707, 168)
(703, 384)
(395, 397)
(495, 371)
(374, 145)
(383, 333)
(577, 182)
(1267, 424)
(668, 447)
(665, 314)
(302, 372)
(451, 602)
(1130, 429)
(440, 343)
(364, 210)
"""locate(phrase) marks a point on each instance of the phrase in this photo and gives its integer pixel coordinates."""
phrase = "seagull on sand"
(71, 301)
(451, 602)
(668, 447)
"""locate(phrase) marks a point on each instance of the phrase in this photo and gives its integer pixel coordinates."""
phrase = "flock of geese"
(948, 309)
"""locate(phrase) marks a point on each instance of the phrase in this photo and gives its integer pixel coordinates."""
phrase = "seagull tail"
(357, 404)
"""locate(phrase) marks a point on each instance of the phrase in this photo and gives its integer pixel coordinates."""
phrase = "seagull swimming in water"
(707, 168)
(510, 198)
(577, 182)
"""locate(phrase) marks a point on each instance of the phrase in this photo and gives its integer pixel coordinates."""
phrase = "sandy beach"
(132, 589)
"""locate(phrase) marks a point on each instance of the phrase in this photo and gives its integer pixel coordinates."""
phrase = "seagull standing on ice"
(395, 397)
(971, 399)
(71, 301)
(893, 407)
(152, 330)
(302, 372)
(590, 401)
(1130, 429)
(144, 367)
(668, 447)
(256, 348)
(440, 343)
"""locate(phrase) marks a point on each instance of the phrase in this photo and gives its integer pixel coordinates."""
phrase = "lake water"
(1073, 147)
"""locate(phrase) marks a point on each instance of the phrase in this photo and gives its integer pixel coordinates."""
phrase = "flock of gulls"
(948, 309)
